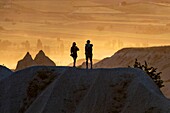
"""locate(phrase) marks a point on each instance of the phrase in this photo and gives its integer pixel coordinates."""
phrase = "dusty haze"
(53, 26)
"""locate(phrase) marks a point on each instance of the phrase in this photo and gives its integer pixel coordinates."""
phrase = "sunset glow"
(57, 23)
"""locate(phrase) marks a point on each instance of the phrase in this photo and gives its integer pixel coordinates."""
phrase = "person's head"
(88, 41)
(74, 43)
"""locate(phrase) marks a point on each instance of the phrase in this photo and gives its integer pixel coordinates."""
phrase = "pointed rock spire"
(28, 56)
(27, 61)
(42, 59)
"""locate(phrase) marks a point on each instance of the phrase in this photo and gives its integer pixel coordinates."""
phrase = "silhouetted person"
(88, 53)
(73, 51)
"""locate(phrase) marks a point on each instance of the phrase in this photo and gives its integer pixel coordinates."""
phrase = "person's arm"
(85, 48)
(71, 50)
(77, 49)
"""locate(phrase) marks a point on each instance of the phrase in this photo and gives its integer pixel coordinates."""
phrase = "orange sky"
(109, 27)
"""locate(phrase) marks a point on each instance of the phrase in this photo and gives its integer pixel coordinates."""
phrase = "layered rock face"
(158, 57)
(40, 59)
(119, 90)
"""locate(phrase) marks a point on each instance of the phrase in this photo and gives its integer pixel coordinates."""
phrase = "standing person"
(73, 51)
(88, 53)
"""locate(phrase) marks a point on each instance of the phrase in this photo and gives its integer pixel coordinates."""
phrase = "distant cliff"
(158, 57)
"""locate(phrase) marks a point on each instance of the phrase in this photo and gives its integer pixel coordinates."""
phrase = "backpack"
(88, 49)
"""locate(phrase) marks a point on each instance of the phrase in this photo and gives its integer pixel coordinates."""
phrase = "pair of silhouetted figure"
(88, 53)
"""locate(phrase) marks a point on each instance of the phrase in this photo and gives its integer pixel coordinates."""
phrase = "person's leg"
(91, 62)
(86, 62)
(74, 65)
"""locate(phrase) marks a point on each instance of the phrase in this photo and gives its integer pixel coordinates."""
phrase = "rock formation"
(42, 59)
(119, 90)
(39, 60)
(157, 57)
(27, 61)
(4, 72)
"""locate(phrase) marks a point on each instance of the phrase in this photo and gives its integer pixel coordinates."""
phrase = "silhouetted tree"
(168, 25)
(1, 28)
(123, 3)
(62, 47)
(100, 28)
(151, 71)
(26, 45)
(39, 45)
(47, 49)
(5, 3)
(120, 44)
(5, 44)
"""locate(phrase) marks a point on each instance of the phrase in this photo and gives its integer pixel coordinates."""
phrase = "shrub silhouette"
(151, 71)
(40, 81)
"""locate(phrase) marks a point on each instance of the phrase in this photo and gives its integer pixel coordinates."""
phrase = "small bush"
(40, 81)
(151, 71)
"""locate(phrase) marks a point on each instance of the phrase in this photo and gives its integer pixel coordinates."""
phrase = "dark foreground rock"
(117, 90)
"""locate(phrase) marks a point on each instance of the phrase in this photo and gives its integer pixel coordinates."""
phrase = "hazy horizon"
(110, 25)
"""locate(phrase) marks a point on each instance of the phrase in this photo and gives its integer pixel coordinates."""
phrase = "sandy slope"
(85, 91)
